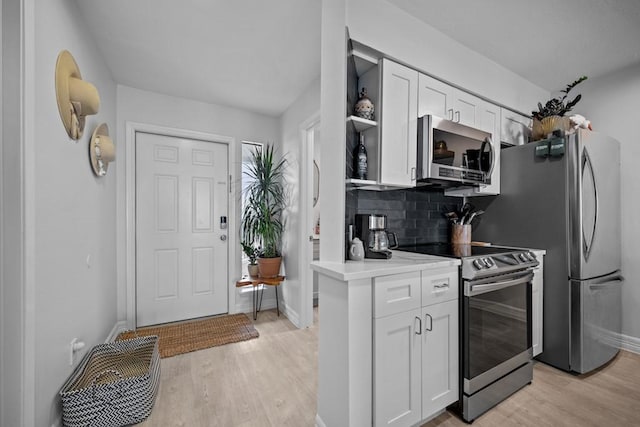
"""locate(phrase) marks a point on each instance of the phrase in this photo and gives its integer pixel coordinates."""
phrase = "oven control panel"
(473, 267)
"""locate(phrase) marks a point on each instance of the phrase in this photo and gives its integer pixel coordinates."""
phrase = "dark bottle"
(360, 160)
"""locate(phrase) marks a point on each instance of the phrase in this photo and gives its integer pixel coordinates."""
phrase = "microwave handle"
(492, 157)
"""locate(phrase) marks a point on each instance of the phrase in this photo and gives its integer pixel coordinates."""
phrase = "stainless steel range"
(495, 322)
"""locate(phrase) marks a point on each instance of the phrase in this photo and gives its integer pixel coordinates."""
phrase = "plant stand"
(258, 290)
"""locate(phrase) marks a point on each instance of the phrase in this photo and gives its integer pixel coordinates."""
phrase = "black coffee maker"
(372, 230)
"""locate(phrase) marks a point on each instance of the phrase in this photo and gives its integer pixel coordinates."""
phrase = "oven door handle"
(472, 290)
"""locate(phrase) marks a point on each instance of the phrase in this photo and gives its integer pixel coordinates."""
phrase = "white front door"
(182, 255)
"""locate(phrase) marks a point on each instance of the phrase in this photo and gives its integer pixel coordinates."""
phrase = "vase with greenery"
(252, 253)
(551, 116)
(264, 204)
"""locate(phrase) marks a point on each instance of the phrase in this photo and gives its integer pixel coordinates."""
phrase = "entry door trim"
(130, 207)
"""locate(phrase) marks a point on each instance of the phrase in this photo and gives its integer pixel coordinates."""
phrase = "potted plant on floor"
(264, 204)
(252, 253)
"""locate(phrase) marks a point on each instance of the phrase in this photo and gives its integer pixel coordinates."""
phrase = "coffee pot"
(372, 230)
(356, 250)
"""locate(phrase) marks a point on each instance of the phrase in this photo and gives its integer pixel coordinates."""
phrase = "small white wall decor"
(76, 98)
(101, 150)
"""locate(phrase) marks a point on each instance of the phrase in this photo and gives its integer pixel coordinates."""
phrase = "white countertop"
(400, 262)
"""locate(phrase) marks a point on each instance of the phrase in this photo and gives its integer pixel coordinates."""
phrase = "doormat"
(184, 337)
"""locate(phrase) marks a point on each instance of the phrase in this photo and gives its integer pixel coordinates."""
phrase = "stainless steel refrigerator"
(565, 197)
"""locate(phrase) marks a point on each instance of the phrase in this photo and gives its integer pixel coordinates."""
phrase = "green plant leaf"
(265, 201)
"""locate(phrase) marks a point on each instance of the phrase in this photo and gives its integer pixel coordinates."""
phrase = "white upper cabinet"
(398, 125)
(515, 128)
(434, 97)
(440, 99)
(466, 109)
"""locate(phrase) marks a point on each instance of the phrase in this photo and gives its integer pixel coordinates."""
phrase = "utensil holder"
(461, 234)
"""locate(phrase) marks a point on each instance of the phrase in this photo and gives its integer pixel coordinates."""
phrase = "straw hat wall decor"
(76, 98)
(102, 151)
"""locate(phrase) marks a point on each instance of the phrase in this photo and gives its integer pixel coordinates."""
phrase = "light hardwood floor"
(272, 381)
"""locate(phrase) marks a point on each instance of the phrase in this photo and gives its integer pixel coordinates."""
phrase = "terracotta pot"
(269, 267)
(254, 270)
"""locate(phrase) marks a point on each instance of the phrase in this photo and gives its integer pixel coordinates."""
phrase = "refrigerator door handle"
(587, 240)
(606, 282)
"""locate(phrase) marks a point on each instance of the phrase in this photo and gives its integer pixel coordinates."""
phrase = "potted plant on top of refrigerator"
(551, 115)
(264, 204)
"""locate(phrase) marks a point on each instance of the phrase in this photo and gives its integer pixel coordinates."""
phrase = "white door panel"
(181, 259)
(439, 357)
(397, 353)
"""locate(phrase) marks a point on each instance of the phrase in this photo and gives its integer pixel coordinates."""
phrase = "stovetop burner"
(455, 251)
(479, 261)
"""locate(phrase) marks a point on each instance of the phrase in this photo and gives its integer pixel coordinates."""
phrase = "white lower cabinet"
(415, 353)
(396, 376)
(440, 357)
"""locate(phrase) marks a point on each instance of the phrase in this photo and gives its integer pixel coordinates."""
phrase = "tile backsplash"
(415, 215)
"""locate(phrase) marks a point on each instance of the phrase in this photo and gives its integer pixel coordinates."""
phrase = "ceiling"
(548, 42)
(260, 55)
(249, 54)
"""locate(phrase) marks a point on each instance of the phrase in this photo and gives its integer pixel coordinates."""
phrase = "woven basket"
(115, 385)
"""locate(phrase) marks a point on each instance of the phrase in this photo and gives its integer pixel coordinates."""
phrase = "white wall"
(612, 103)
(73, 211)
(333, 89)
(140, 106)
(384, 27)
(11, 297)
(306, 106)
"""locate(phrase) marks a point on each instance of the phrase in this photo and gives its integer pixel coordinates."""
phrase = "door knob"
(223, 237)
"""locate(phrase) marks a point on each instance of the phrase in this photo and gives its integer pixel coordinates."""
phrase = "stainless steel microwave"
(450, 153)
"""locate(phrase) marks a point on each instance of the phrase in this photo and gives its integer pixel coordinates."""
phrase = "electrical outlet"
(74, 347)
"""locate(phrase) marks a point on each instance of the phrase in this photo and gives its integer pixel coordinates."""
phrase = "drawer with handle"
(439, 285)
(396, 293)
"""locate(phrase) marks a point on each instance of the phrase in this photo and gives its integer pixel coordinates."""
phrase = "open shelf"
(361, 124)
(364, 57)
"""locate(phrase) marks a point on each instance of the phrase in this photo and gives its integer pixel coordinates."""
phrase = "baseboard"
(319, 422)
(120, 326)
(291, 314)
(247, 307)
(630, 343)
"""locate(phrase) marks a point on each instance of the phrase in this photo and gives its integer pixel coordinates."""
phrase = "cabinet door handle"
(413, 174)
(441, 287)
(450, 113)
(430, 327)
(457, 115)
(418, 331)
